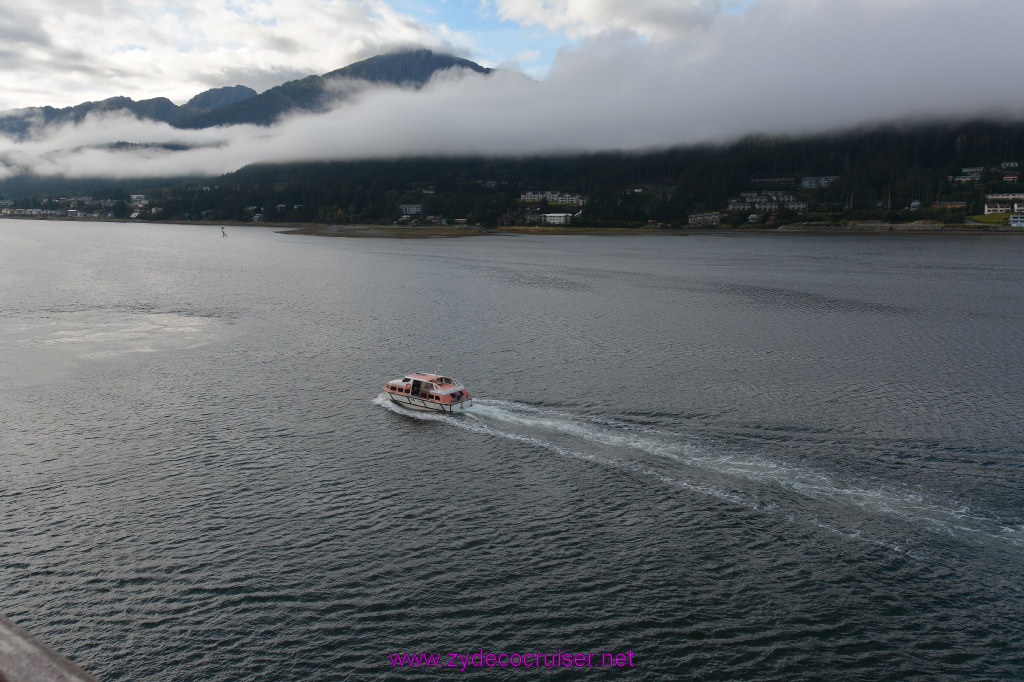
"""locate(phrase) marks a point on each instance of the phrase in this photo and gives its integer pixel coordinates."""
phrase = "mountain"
(313, 93)
(215, 99)
(19, 122)
(873, 173)
(239, 104)
(414, 67)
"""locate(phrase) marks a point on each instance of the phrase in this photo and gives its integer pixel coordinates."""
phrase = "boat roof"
(438, 379)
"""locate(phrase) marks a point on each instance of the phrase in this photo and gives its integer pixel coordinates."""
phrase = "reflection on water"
(103, 332)
(51, 343)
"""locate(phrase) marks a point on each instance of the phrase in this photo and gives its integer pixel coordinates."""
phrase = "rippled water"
(738, 456)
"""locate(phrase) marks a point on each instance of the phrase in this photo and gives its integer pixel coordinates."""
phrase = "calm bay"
(734, 455)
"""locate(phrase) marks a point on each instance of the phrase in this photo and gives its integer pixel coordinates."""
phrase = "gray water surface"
(737, 456)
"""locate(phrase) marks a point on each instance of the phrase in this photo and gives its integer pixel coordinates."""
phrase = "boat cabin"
(437, 389)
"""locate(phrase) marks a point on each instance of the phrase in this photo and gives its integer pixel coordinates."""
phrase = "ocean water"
(733, 456)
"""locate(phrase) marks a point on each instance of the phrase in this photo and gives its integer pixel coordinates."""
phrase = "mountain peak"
(409, 68)
(219, 97)
(239, 104)
(406, 67)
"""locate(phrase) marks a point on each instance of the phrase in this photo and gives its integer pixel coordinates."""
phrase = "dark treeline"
(879, 171)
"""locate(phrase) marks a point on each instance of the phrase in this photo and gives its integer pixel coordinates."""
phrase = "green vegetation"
(992, 219)
(880, 174)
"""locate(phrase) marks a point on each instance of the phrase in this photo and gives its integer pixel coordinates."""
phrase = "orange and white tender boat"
(430, 392)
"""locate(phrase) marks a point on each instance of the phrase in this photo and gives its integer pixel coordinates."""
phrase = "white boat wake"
(710, 468)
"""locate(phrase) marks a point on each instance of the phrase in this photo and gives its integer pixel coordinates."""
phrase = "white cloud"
(62, 53)
(783, 66)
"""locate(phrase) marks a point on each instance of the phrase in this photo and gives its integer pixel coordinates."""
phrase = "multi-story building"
(554, 198)
(556, 218)
(766, 201)
(773, 182)
(818, 182)
(999, 207)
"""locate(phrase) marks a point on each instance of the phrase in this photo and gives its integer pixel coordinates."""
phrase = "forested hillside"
(878, 173)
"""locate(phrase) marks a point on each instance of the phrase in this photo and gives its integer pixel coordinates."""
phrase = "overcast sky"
(602, 74)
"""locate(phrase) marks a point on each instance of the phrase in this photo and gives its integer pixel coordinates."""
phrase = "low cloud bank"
(780, 68)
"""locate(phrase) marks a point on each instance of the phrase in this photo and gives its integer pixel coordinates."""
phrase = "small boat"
(429, 392)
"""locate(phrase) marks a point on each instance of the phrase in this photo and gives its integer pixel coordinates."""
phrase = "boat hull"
(414, 403)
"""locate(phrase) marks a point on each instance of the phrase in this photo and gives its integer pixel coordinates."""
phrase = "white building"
(766, 201)
(556, 218)
(554, 198)
(818, 182)
(410, 209)
(1017, 220)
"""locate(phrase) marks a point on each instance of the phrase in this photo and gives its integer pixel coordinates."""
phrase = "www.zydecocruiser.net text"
(480, 659)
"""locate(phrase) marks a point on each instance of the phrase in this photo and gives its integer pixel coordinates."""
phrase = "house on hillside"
(556, 218)
(766, 201)
(818, 182)
(553, 198)
(772, 183)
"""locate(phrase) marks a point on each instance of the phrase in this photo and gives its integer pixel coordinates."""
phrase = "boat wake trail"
(703, 466)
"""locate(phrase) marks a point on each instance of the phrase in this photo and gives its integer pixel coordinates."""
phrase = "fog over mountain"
(782, 67)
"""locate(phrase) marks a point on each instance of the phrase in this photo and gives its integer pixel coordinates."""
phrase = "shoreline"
(450, 232)
(428, 232)
(440, 231)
